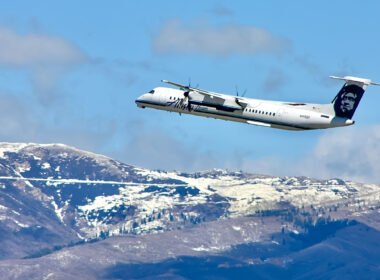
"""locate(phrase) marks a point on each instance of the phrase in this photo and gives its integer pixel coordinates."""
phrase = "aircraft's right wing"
(220, 98)
(201, 91)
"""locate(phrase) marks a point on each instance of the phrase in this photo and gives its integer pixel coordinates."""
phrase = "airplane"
(275, 114)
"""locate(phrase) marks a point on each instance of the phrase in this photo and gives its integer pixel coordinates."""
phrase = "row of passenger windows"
(260, 112)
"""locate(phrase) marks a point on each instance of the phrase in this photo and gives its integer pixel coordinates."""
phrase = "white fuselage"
(283, 115)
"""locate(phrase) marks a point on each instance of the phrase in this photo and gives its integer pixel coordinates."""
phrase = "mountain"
(71, 214)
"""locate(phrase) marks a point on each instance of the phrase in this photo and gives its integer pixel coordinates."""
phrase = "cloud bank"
(152, 148)
(348, 153)
(21, 122)
(225, 39)
(352, 153)
(45, 59)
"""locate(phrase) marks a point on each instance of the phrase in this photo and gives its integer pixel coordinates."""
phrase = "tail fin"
(348, 98)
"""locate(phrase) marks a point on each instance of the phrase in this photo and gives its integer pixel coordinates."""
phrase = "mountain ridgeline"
(71, 214)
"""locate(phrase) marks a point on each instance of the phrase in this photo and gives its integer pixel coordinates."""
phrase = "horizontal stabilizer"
(355, 79)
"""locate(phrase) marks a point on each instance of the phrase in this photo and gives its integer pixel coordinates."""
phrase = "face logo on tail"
(348, 100)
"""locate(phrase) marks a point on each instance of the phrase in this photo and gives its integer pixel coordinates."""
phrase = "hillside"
(75, 214)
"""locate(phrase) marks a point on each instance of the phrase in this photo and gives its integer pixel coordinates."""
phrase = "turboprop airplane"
(276, 114)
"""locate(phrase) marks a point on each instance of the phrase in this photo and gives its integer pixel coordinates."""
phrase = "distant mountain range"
(72, 214)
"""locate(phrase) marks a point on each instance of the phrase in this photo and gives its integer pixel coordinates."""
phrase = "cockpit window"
(152, 91)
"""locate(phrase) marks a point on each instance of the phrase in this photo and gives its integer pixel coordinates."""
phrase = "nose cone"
(141, 100)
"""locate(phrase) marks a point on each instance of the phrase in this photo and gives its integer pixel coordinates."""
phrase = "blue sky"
(70, 72)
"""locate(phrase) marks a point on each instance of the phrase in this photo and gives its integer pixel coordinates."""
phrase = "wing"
(201, 91)
(214, 97)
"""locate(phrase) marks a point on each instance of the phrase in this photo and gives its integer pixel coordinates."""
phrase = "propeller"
(185, 99)
(237, 98)
(237, 91)
(186, 96)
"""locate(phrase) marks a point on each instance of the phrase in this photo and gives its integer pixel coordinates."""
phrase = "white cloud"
(352, 153)
(16, 119)
(220, 10)
(34, 49)
(21, 121)
(203, 37)
(47, 58)
(275, 80)
(320, 74)
(348, 153)
(152, 148)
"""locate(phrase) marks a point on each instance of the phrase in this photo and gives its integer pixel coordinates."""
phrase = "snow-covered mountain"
(55, 196)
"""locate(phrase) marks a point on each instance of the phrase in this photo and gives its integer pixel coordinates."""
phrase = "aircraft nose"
(139, 100)
(142, 99)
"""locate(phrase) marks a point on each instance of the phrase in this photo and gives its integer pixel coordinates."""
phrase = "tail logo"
(347, 100)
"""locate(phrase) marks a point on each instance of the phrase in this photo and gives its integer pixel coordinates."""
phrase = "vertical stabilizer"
(348, 98)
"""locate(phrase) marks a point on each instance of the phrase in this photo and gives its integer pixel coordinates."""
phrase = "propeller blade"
(237, 92)
(245, 91)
